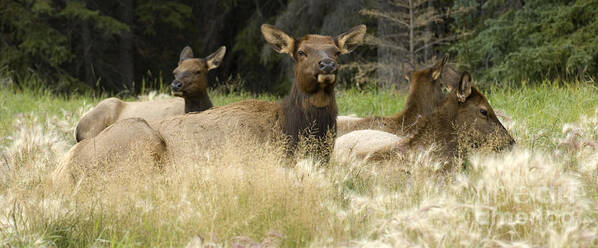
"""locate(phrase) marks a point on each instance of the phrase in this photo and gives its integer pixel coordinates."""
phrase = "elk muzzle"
(507, 144)
(176, 86)
(327, 66)
(326, 72)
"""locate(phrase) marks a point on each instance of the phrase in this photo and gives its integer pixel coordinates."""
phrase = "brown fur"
(309, 108)
(189, 134)
(459, 123)
(190, 72)
(425, 94)
(146, 146)
(464, 120)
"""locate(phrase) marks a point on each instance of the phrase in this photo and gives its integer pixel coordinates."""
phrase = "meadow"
(543, 192)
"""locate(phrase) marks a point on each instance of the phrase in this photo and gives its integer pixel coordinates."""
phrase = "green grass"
(543, 108)
(40, 103)
(247, 193)
(44, 104)
(367, 103)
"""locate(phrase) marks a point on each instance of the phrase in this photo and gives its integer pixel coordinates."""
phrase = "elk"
(425, 94)
(190, 82)
(464, 120)
(309, 110)
(111, 146)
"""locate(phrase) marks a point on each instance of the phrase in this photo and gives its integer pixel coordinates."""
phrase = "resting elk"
(425, 94)
(464, 120)
(190, 82)
(309, 110)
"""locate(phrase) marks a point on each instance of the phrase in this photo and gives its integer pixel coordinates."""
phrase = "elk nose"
(176, 85)
(327, 66)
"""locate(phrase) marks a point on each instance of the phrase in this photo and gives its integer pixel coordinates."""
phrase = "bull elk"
(190, 82)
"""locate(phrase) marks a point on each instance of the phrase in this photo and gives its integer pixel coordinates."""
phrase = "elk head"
(190, 76)
(473, 117)
(316, 59)
(425, 90)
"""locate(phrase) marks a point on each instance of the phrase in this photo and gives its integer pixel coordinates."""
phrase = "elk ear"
(407, 69)
(279, 40)
(187, 53)
(464, 87)
(438, 67)
(347, 42)
(213, 60)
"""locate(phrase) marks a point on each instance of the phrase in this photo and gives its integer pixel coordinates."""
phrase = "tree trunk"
(127, 60)
(429, 31)
(87, 60)
(411, 31)
(388, 76)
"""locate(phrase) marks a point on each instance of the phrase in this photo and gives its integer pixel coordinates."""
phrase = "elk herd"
(443, 110)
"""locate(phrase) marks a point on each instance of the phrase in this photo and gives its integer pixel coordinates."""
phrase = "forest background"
(129, 46)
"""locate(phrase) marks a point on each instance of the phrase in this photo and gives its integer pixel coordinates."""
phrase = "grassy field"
(542, 193)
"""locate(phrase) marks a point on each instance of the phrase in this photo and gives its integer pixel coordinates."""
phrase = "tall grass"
(542, 193)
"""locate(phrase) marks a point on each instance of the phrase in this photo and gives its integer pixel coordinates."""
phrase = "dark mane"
(310, 109)
(299, 118)
(198, 103)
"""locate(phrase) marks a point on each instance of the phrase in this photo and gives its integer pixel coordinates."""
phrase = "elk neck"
(407, 119)
(300, 117)
(434, 129)
(197, 102)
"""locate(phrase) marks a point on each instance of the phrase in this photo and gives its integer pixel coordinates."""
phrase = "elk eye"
(338, 53)
(484, 112)
(301, 53)
(197, 72)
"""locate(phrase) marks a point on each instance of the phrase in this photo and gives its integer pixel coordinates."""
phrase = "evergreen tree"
(37, 37)
(534, 41)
